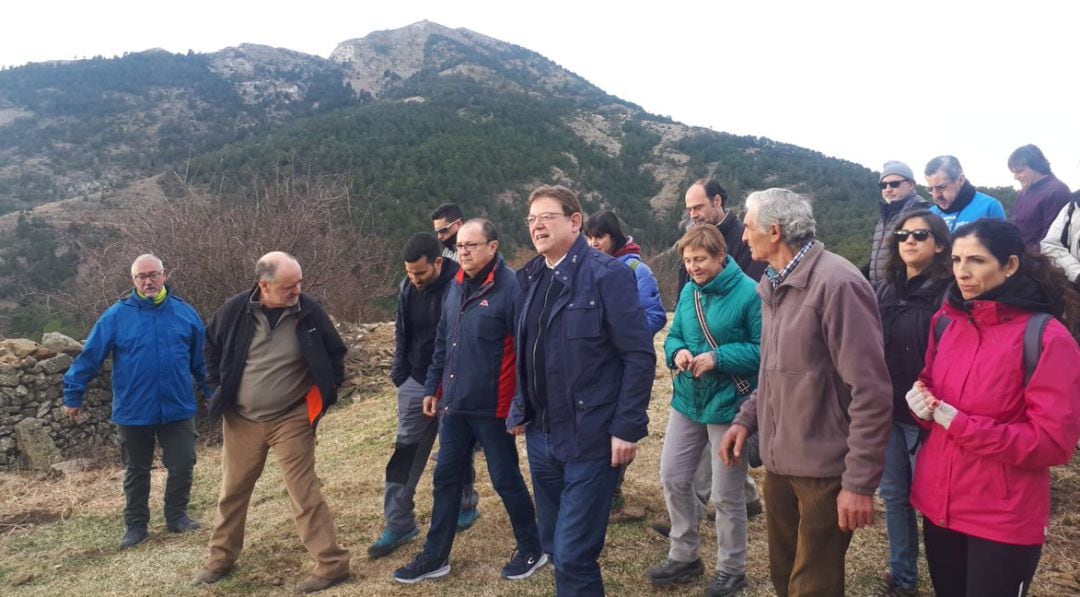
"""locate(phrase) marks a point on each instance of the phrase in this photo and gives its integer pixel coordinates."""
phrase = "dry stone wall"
(32, 405)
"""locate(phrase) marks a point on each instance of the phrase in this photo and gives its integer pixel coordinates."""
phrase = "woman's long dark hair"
(1002, 239)
(606, 222)
(940, 267)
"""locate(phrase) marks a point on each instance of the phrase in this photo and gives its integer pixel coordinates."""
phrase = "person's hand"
(431, 404)
(73, 413)
(731, 445)
(854, 511)
(703, 363)
(916, 401)
(622, 452)
(943, 413)
(516, 430)
(682, 360)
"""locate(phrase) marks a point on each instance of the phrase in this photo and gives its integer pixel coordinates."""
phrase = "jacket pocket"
(583, 318)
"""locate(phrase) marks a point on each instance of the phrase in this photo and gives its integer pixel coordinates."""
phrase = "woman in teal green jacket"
(714, 370)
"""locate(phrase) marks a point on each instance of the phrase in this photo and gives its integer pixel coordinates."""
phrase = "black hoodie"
(417, 320)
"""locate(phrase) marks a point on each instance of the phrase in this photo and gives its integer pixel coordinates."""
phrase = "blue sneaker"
(466, 519)
(421, 568)
(388, 541)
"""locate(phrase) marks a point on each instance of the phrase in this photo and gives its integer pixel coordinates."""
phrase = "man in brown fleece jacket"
(824, 401)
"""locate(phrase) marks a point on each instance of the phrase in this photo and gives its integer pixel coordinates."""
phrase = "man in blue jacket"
(955, 198)
(584, 377)
(156, 342)
(470, 384)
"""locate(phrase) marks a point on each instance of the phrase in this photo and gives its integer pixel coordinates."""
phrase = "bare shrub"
(210, 245)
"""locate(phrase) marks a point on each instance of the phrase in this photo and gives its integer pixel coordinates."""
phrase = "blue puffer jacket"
(648, 291)
(156, 352)
(599, 361)
(474, 362)
(981, 206)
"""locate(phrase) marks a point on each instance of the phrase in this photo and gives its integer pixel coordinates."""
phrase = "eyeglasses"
(543, 218)
(892, 184)
(470, 247)
(447, 228)
(152, 276)
(939, 188)
(920, 234)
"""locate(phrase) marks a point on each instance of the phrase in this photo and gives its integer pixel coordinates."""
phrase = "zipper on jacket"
(540, 328)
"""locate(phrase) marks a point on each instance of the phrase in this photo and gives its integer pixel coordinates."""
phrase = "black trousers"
(177, 440)
(965, 566)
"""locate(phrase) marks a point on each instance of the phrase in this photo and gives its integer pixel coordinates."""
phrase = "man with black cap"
(898, 198)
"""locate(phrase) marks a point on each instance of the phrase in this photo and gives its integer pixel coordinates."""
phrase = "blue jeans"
(899, 515)
(458, 435)
(573, 500)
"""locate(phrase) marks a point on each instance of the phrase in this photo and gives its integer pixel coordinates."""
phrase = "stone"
(56, 364)
(32, 439)
(43, 353)
(76, 465)
(9, 379)
(19, 347)
(61, 343)
(7, 444)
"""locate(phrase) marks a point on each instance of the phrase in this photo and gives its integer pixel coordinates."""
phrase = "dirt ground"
(58, 535)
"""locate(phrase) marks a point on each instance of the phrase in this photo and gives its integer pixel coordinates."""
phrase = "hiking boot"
(388, 541)
(208, 577)
(725, 584)
(889, 588)
(522, 565)
(670, 572)
(626, 514)
(466, 519)
(314, 583)
(753, 508)
(661, 526)
(134, 535)
(184, 524)
(422, 567)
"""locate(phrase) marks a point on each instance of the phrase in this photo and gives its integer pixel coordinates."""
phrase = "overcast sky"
(863, 81)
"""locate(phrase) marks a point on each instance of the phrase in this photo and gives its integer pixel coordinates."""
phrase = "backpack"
(1032, 339)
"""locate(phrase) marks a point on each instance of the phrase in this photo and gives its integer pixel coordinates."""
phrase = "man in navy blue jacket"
(470, 384)
(585, 375)
(156, 341)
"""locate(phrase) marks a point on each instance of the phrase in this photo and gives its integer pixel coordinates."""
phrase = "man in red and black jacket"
(275, 362)
(470, 384)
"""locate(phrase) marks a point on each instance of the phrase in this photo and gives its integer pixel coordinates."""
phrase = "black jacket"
(228, 339)
(906, 308)
(414, 347)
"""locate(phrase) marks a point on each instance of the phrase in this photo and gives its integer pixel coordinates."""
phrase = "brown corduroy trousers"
(245, 446)
(806, 545)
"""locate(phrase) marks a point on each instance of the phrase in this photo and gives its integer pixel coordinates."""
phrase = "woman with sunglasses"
(999, 415)
(916, 275)
(714, 350)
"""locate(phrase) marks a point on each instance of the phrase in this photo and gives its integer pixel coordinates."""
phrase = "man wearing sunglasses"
(955, 198)
(156, 342)
(898, 196)
(446, 221)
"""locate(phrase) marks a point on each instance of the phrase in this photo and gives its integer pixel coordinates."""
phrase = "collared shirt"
(775, 278)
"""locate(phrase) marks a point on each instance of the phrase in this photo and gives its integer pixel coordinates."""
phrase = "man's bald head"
(279, 276)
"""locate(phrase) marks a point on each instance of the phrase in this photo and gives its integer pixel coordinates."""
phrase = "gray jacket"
(891, 214)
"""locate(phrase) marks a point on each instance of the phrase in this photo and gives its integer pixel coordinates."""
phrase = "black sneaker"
(670, 572)
(522, 565)
(725, 584)
(184, 524)
(421, 568)
(753, 509)
(134, 535)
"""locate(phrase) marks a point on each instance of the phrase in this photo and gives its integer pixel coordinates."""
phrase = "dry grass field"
(58, 536)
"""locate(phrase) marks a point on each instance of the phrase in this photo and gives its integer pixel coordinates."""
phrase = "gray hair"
(946, 164)
(147, 257)
(486, 227)
(787, 209)
(267, 265)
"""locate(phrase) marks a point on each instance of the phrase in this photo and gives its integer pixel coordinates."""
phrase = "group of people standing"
(942, 375)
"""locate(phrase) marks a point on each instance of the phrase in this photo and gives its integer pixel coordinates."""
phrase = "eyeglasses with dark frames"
(892, 184)
(919, 235)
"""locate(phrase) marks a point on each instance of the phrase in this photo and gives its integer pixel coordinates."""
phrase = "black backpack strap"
(939, 327)
(1067, 226)
(1033, 334)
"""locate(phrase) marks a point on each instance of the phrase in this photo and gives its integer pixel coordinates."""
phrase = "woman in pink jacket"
(982, 479)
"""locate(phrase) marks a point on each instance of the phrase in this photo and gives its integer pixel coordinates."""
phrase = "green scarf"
(158, 298)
